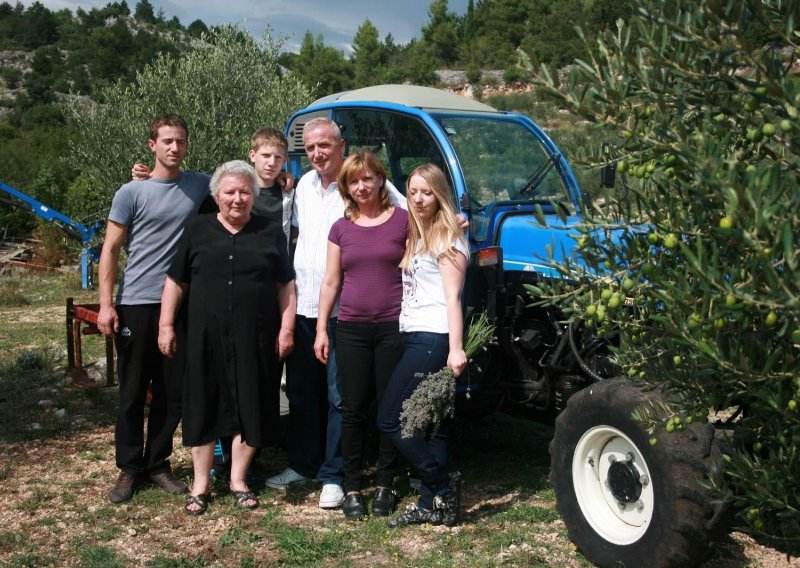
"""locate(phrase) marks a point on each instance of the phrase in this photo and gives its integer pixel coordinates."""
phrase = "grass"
(166, 562)
(11, 540)
(33, 401)
(53, 480)
(279, 534)
(100, 557)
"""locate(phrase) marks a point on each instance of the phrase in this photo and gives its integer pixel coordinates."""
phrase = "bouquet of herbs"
(433, 399)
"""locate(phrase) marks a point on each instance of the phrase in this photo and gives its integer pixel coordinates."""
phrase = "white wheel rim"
(616, 522)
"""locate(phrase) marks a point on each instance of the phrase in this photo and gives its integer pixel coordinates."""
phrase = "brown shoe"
(168, 482)
(123, 488)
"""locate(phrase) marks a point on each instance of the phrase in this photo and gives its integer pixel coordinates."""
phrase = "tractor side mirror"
(608, 172)
(465, 202)
(608, 175)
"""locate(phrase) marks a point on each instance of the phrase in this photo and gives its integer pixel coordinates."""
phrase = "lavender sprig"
(433, 401)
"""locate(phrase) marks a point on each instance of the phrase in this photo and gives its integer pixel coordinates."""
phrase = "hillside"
(48, 57)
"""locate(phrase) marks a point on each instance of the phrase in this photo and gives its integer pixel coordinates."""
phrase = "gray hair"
(322, 121)
(234, 168)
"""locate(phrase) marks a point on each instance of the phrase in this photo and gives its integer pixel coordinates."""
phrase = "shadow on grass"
(505, 452)
(42, 405)
(733, 551)
(503, 460)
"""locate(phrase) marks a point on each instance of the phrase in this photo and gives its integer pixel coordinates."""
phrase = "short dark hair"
(166, 120)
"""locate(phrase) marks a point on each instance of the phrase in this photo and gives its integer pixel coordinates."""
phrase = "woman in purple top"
(365, 248)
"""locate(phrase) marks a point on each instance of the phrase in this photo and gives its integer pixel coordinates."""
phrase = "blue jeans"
(423, 353)
(315, 407)
(331, 469)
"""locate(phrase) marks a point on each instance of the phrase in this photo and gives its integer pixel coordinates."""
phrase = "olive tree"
(226, 86)
(696, 280)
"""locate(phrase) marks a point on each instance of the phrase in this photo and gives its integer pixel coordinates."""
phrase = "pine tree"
(368, 56)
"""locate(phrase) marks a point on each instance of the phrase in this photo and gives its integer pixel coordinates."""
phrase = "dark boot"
(354, 507)
(124, 487)
(450, 504)
(168, 482)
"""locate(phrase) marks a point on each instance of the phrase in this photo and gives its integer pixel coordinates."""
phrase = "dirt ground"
(53, 502)
(54, 491)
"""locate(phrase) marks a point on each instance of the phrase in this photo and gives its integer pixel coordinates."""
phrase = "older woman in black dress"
(235, 270)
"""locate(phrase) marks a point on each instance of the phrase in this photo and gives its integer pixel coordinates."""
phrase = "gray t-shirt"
(155, 212)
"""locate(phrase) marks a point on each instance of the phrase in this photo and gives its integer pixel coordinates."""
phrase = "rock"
(35, 426)
(97, 371)
(61, 413)
(45, 402)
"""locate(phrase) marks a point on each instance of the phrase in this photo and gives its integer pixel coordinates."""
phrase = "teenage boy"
(147, 217)
(268, 150)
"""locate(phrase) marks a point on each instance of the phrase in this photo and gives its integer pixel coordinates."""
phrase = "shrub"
(512, 74)
(11, 294)
(473, 73)
(52, 247)
(226, 87)
(12, 76)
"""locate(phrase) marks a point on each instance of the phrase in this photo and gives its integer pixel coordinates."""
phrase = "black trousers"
(366, 355)
(139, 365)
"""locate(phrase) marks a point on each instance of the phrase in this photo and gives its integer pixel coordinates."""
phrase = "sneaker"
(220, 471)
(285, 478)
(123, 488)
(168, 482)
(332, 496)
(416, 516)
(450, 504)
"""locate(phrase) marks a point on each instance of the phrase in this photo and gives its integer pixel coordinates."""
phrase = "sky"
(337, 21)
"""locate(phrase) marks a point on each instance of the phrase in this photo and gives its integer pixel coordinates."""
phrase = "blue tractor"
(624, 502)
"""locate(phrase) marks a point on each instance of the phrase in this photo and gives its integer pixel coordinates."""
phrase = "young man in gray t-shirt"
(147, 218)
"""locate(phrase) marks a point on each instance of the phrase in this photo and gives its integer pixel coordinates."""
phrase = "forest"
(48, 58)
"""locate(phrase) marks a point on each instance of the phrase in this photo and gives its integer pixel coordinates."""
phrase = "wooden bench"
(82, 320)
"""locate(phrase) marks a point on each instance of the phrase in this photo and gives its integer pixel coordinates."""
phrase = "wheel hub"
(624, 481)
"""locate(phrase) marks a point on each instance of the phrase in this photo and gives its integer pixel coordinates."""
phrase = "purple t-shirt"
(373, 285)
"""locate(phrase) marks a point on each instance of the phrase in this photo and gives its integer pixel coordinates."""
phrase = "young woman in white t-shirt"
(431, 322)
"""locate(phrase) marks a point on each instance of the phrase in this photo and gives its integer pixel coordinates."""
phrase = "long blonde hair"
(444, 230)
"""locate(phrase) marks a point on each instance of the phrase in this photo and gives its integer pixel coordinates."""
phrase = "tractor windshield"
(502, 160)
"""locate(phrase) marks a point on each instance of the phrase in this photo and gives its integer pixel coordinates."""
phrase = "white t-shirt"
(424, 306)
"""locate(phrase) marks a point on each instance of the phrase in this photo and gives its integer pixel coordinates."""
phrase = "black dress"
(230, 384)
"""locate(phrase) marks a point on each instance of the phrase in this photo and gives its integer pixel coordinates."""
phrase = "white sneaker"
(332, 496)
(285, 478)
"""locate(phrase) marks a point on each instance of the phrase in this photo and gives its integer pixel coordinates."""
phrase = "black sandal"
(199, 500)
(242, 497)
